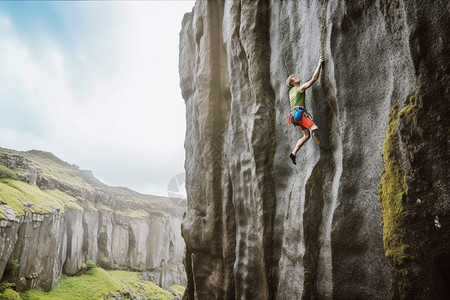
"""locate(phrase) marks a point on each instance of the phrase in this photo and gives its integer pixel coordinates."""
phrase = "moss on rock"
(16, 193)
(10, 294)
(7, 173)
(409, 112)
(12, 197)
(177, 288)
(392, 190)
(133, 213)
(2, 214)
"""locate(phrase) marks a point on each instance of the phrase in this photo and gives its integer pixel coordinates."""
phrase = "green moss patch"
(97, 284)
(78, 183)
(94, 284)
(66, 200)
(14, 193)
(177, 288)
(391, 190)
(409, 112)
(63, 175)
(51, 167)
(6, 285)
(141, 288)
(7, 173)
(10, 294)
(103, 207)
(133, 213)
(12, 197)
(2, 214)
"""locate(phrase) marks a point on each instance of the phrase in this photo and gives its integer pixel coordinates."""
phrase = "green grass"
(141, 288)
(94, 284)
(103, 207)
(51, 167)
(72, 180)
(63, 198)
(97, 283)
(55, 168)
(9, 294)
(7, 173)
(12, 197)
(133, 213)
(177, 288)
(14, 193)
(2, 214)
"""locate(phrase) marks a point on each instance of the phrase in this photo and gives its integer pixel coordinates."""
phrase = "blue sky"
(96, 83)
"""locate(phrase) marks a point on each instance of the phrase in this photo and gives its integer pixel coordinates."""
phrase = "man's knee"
(315, 134)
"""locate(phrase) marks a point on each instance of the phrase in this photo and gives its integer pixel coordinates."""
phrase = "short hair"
(289, 80)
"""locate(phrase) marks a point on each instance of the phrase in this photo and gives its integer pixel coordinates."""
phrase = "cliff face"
(55, 217)
(367, 220)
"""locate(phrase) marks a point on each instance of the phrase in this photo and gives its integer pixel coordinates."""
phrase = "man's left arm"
(315, 77)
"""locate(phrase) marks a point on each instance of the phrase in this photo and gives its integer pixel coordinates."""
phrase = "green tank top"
(295, 97)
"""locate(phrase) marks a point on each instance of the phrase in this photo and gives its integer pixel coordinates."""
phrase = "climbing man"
(298, 115)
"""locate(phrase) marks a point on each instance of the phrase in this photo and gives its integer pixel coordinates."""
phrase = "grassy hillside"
(44, 183)
(98, 283)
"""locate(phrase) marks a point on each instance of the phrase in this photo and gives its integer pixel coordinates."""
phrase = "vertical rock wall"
(259, 227)
(39, 249)
(49, 245)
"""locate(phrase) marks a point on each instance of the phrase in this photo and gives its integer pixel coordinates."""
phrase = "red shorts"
(304, 123)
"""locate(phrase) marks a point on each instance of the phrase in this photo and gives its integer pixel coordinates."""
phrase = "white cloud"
(111, 99)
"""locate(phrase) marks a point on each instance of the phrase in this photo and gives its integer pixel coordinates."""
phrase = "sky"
(96, 83)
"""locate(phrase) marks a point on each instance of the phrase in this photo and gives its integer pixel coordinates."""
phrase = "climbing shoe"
(324, 148)
(292, 156)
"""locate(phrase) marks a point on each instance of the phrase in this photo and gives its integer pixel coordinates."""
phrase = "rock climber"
(298, 115)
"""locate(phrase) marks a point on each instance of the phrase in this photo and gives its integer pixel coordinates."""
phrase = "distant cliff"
(369, 219)
(54, 217)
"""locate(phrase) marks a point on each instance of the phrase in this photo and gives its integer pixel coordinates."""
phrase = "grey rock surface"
(56, 244)
(47, 245)
(259, 227)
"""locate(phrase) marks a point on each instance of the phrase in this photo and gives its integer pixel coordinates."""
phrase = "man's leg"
(301, 141)
(307, 123)
(315, 133)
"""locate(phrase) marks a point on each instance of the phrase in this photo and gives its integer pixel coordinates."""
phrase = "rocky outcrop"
(367, 220)
(117, 227)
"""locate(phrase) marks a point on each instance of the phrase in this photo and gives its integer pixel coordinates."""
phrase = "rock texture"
(120, 227)
(367, 220)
